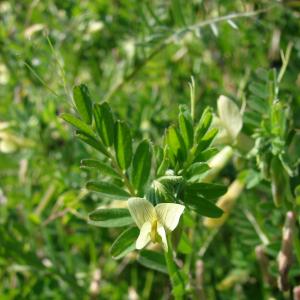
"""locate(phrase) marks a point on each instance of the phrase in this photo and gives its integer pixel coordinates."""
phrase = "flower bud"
(226, 203)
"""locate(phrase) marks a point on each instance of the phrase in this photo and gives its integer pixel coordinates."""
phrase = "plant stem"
(122, 175)
(45, 200)
(178, 286)
(262, 236)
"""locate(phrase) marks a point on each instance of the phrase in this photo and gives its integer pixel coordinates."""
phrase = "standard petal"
(168, 214)
(162, 233)
(144, 236)
(141, 210)
(230, 116)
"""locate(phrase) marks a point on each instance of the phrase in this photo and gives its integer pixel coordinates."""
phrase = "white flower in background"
(95, 26)
(4, 74)
(154, 222)
(9, 142)
(229, 120)
(31, 30)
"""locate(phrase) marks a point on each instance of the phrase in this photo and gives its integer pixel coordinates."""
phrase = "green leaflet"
(206, 190)
(83, 102)
(206, 155)
(153, 260)
(124, 243)
(197, 170)
(141, 165)
(205, 141)
(102, 167)
(123, 145)
(104, 121)
(109, 189)
(176, 145)
(202, 206)
(110, 217)
(162, 168)
(78, 124)
(93, 143)
(204, 123)
(186, 129)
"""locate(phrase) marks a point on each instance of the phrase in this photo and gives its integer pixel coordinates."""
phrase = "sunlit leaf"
(83, 102)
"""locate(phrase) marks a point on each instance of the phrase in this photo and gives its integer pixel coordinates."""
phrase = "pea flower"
(229, 122)
(154, 222)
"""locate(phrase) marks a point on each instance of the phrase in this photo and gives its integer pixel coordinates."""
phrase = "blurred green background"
(139, 56)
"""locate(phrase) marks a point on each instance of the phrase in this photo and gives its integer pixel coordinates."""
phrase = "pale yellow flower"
(154, 222)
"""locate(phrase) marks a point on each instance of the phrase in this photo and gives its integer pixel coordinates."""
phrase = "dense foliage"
(188, 102)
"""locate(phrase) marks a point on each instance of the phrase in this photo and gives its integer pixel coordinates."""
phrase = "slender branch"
(122, 175)
(173, 37)
(285, 61)
(40, 79)
(45, 200)
(207, 242)
(61, 69)
(264, 239)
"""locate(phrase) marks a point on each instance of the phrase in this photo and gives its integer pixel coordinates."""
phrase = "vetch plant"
(159, 190)
(158, 182)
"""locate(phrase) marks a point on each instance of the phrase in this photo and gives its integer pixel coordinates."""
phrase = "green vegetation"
(149, 149)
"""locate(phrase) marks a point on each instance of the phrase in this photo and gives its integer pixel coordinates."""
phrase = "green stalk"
(193, 99)
(122, 175)
(178, 286)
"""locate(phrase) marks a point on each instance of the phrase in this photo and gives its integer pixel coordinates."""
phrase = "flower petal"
(168, 214)
(144, 236)
(141, 210)
(162, 233)
(230, 116)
